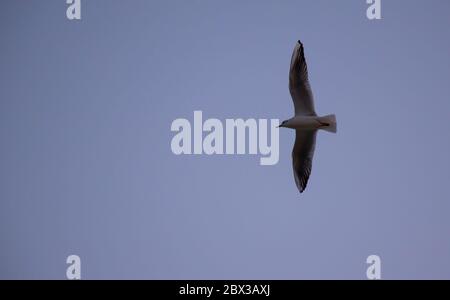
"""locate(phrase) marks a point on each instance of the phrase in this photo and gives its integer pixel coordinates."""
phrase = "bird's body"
(305, 122)
(311, 123)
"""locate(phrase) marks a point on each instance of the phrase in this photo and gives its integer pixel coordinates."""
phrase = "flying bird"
(305, 122)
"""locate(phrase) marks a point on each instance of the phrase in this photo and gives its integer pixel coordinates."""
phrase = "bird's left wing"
(302, 156)
(299, 83)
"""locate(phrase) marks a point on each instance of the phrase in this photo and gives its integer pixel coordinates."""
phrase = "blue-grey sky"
(87, 169)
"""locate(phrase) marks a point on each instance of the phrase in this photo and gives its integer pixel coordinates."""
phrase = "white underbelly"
(306, 122)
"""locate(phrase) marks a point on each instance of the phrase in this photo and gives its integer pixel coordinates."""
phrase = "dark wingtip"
(301, 188)
(301, 185)
(300, 45)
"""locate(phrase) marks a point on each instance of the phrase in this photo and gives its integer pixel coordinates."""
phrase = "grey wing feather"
(302, 157)
(299, 84)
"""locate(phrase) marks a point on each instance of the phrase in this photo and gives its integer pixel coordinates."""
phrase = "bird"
(305, 122)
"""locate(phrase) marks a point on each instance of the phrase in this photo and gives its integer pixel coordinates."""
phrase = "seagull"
(305, 122)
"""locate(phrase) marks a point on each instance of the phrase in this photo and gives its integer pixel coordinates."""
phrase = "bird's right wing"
(302, 156)
(299, 84)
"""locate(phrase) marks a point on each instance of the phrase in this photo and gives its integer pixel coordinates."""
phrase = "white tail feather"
(330, 120)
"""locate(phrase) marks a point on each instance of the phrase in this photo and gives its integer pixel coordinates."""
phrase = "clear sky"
(86, 165)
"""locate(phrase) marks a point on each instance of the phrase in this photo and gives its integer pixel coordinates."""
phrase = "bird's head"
(284, 123)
